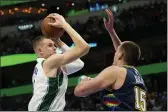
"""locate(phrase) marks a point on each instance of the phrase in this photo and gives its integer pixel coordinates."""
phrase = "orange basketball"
(50, 31)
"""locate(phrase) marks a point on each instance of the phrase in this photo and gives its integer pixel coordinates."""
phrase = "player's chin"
(53, 53)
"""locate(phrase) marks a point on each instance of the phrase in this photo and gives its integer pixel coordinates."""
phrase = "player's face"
(48, 48)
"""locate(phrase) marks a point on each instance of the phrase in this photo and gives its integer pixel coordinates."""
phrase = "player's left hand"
(59, 20)
(109, 24)
(55, 39)
(84, 79)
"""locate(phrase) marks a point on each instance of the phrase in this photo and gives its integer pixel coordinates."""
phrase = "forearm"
(61, 45)
(85, 87)
(115, 39)
(77, 39)
(74, 66)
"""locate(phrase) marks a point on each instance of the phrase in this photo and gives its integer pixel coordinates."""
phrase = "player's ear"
(39, 50)
(120, 55)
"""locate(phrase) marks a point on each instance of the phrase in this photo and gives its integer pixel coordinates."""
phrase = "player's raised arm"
(81, 47)
(73, 66)
(109, 25)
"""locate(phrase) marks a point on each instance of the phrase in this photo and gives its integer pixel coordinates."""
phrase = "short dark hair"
(131, 52)
(36, 40)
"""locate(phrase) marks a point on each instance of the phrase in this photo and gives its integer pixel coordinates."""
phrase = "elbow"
(86, 49)
(83, 50)
(81, 65)
(78, 92)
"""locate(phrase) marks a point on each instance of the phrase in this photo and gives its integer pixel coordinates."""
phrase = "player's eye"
(50, 45)
(55, 45)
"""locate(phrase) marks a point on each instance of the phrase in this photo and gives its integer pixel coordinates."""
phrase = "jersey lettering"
(138, 78)
(140, 98)
(35, 71)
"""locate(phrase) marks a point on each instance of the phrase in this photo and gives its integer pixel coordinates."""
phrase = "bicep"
(54, 61)
(105, 78)
(57, 60)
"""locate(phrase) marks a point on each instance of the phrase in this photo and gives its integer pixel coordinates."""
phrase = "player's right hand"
(59, 20)
(109, 24)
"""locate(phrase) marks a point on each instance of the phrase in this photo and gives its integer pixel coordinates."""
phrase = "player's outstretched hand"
(59, 20)
(83, 79)
(109, 24)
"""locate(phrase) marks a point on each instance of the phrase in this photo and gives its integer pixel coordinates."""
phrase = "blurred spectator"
(89, 103)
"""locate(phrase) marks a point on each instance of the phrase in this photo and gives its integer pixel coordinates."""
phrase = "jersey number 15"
(140, 99)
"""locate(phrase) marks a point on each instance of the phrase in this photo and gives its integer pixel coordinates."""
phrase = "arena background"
(143, 22)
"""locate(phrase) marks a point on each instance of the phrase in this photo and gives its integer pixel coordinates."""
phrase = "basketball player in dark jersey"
(121, 78)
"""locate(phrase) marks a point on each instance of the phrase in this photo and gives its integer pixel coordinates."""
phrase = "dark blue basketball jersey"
(132, 95)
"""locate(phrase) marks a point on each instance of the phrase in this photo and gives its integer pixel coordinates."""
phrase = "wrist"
(65, 25)
(58, 42)
(111, 30)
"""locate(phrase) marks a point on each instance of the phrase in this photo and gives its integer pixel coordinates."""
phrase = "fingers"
(85, 78)
(56, 17)
(105, 21)
(53, 14)
(89, 78)
(59, 20)
(52, 24)
(109, 14)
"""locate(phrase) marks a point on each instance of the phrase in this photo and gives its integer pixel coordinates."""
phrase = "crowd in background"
(136, 23)
(156, 101)
(152, 30)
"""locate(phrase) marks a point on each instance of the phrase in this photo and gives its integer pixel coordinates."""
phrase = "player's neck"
(41, 56)
(121, 63)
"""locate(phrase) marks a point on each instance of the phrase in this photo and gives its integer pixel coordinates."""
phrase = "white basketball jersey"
(48, 93)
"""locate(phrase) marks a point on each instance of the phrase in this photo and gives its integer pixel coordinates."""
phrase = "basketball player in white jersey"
(50, 73)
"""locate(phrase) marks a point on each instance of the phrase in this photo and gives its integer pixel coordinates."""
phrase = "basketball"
(50, 31)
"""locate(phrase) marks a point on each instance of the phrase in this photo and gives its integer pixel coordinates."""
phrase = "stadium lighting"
(43, 4)
(73, 4)
(58, 8)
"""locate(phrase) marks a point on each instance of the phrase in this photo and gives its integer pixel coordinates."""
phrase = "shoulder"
(109, 76)
(115, 72)
(117, 69)
(112, 72)
(55, 57)
(53, 61)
